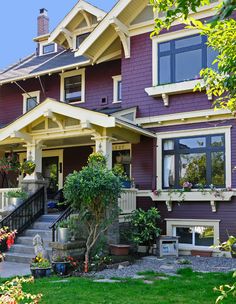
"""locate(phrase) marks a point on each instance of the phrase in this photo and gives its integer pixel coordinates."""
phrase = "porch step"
(23, 251)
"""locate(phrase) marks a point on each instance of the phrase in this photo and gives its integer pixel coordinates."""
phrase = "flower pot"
(63, 235)
(119, 249)
(61, 268)
(15, 201)
(201, 253)
(41, 272)
(126, 184)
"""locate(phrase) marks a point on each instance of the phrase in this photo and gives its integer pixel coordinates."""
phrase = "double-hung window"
(73, 86)
(199, 160)
(30, 100)
(117, 88)
(182, 59)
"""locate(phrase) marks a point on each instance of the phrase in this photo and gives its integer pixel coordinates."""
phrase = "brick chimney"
(43, 22)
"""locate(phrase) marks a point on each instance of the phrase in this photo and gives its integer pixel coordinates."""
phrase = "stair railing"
(24, 215)
(65, 215)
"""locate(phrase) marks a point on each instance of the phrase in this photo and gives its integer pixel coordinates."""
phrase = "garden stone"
(167, 267)
(162, 278)
(148, 282)
(106, 281)
(137, 277)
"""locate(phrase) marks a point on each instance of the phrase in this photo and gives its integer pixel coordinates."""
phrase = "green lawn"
(189, 288)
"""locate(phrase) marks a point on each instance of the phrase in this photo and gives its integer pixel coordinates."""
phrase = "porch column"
(104, 145)
(34, 153)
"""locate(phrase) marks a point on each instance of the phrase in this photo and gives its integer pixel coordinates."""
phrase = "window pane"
(218, 168)
(204, 236)
(168, 145)
(194, 142)
(73, 88)
(188, 41)
(31, 102)
(169, 171)
(164, 70)
(211, 56)
(119, 90)
(192, 168)
(188, 65)
(163, 47)
(217, 141)
(49, 48)
(185, 234)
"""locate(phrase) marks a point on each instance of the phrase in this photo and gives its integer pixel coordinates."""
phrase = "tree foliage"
(94, 192)
(220, 30)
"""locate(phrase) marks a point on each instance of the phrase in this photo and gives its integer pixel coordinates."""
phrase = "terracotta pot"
(201, 253)
(119, 249)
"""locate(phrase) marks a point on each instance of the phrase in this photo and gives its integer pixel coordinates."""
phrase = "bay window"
(199, 160)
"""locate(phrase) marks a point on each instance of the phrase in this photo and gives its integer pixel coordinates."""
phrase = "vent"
(104, 100)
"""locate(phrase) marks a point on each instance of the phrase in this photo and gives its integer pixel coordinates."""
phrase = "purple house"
(98, 82)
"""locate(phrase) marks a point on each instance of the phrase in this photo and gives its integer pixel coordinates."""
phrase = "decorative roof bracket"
(123, 33)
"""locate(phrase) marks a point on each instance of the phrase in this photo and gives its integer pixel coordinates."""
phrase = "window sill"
(117, 101)
(194, 196)
(173, 88)
(74, 102)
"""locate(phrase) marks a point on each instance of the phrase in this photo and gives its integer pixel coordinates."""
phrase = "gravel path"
(170, 265)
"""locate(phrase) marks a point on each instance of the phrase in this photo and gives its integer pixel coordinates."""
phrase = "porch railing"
(24, 215)
(65, 215)
(127, 201)
(4, 201)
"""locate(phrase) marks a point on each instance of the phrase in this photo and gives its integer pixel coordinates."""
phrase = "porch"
(59, 137)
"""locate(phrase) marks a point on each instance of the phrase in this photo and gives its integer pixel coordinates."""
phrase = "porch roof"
(88, 120)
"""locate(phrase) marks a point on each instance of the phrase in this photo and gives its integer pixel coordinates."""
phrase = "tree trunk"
(86, 262)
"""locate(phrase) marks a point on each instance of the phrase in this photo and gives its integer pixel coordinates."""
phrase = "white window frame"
(164, 38)
(42, 44)
(172, 224)
(116, 80)
(71, 74)
(28, 95)
(226, 130)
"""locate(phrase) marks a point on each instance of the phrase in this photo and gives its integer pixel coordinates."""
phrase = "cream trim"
(116, 79)
(172, 223)
(184, 118)
(226, 130)
(71, 74)
(28, 95)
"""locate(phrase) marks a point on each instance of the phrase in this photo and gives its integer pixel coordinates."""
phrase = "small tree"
(94, 192)
(144, 226)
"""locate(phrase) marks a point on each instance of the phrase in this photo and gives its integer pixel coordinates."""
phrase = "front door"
(50, 172)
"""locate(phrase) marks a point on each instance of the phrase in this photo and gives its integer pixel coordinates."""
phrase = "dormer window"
(48, 48)
(80, 39)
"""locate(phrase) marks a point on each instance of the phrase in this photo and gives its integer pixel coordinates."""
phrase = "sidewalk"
(9, 269)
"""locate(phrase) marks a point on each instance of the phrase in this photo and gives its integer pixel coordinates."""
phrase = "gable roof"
(82, 11)
(114, 25)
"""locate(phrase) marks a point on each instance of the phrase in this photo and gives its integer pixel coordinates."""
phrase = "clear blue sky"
(18, 24)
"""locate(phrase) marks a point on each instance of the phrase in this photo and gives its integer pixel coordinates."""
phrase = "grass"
(190, 288)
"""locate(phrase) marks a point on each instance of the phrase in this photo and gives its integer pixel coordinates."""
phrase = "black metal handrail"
(24, 215)
(65, 215)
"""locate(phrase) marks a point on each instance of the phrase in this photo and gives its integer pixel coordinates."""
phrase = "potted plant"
(16, 197)
(28, 167)
(63, 232)
(229, 245)
(144, 227)
(119, 171)
(40, 267)
(61, 265)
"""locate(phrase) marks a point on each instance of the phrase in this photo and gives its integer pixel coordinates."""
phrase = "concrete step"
(45, 234)
(48, 218)
(15, 257)
(19, 248)
(28, 240)
(41, 225)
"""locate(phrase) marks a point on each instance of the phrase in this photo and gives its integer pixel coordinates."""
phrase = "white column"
(104, 145)
(34, 153)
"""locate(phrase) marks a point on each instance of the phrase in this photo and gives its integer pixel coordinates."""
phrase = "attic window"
(80, 39)
(48, 48)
